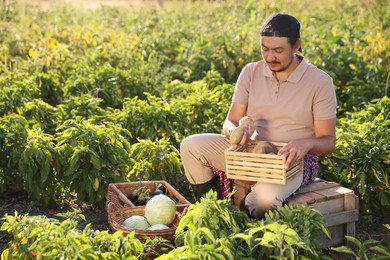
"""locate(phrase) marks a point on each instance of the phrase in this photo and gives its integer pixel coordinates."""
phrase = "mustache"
(273, 62)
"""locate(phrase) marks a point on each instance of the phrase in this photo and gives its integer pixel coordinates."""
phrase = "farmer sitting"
(289, 100)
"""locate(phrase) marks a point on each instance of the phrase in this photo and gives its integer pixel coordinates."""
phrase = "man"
(290, 101)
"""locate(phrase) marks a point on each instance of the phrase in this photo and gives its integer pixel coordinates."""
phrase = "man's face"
(277, 52)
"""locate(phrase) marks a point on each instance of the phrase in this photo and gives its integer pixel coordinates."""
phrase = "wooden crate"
(242, 188)
(118, 193)
(248, 166)
(339, 205)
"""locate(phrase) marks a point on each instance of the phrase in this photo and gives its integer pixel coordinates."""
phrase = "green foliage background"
(93, 96)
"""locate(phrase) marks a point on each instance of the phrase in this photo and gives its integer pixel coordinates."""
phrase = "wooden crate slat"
(262, 176)
(341, 217)
(301, 199)
(330, 205)
(293, 171)
(254, 171)
(251, 178)
(255, 161)
(236, 154)
(307, 198)
(256, 176)
(334, 192)
(256, 167)
(349, 204)
(318, 185)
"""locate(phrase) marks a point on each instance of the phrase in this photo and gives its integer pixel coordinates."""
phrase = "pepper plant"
(39, 237)
(306, 221)
(13, 137)
(37, 166)
(361, 159)
(215, 229)
(92, 156)
(158, 160)
(14, 94)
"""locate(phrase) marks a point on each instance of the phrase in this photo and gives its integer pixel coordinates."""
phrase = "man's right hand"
(243, 140)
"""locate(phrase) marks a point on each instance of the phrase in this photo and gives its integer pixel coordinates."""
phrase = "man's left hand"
(294, 150)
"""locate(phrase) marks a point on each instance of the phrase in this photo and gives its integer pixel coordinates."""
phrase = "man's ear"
(297, 45)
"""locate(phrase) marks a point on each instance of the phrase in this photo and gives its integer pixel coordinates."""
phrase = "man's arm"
(323, 144)
(236, 112)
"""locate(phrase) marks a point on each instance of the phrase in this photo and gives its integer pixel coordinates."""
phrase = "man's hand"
(244, 140)
(294, 150)
(322, 144)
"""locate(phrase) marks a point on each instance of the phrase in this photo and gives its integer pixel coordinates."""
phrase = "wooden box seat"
(338, 204)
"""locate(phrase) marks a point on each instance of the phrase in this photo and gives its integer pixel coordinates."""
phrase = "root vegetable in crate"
(236, 135)
(247, 121)
(264, 148)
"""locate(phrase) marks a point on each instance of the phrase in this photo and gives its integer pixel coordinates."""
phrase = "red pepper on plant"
(53, 163)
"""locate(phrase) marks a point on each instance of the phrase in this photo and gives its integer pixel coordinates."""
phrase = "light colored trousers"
(200, 152)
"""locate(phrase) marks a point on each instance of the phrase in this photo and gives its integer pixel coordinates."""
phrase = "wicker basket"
(269, 168)
(118, 193)
(116, 216)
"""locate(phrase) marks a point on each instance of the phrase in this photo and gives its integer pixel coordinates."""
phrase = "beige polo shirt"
(285, 110)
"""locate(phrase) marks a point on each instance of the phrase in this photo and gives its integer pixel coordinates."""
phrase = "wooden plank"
(231, 155)
(319, 202)
(344, 190)
(349, 203)
(255, 162)
(252, 168)
(292, 172)
(318, 185)
(343, 217)
(257, 179)
(307, 198)
(330, 206)
(301, 199)
(239, 195)
(242, 188)
(316, 196)
(334, 192)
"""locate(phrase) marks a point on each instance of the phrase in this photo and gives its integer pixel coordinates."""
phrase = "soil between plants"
(99, 221)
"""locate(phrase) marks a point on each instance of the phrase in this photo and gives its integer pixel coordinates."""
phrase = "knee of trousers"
(190, 150)
(190, 145)
(267, 196)
(255, 208)
(185, 144)
(263, 203)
